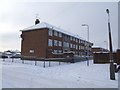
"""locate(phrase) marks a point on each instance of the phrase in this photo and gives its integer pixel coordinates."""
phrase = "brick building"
(43, 40)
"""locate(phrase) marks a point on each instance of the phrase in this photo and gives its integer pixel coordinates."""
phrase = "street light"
(87, 44)
(112, 68)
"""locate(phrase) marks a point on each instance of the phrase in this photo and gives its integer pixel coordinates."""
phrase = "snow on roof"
(46, 25)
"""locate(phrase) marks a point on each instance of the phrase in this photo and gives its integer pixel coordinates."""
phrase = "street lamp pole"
(112, 68)
(87, 44)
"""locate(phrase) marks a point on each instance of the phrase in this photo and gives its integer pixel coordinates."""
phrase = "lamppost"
(88, 41)
(112, 68)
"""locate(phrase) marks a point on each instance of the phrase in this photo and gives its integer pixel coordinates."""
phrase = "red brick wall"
(104, 57)
(36, 40)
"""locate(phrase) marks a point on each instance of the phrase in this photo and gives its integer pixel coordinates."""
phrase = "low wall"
(102, 58)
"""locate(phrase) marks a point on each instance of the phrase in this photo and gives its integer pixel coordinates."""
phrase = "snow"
(46, 25)
(66, 75)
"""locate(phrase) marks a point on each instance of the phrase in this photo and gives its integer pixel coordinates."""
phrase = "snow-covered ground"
(66, 75)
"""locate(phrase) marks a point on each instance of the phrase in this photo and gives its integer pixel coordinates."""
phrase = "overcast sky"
(15, 16)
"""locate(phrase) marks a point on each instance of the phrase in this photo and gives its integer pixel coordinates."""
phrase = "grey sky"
(66, 15)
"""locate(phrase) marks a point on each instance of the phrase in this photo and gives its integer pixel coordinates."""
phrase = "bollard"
(23, 61)
(35, 63)
(44, 64)
(59, 63)
(49, 63)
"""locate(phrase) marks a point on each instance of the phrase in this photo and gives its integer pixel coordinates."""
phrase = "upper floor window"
(79, 41)
(55, 33)
(71, 38)
(50, 42)
(76, 40)
(60, 34)
(55, 43)
(60, 43)
(50, 33)
(66, 44)
(76, 46)
(71, 45)
(79, 47)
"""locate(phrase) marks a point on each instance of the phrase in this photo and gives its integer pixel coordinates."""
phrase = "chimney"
(37, 21)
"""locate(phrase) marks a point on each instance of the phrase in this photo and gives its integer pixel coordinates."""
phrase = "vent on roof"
(37, 21)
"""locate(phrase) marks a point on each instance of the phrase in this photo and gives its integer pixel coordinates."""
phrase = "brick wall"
(34, 43)
(102, 58)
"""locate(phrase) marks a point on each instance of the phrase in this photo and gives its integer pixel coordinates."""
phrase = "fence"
(42, 63)
(101, 58)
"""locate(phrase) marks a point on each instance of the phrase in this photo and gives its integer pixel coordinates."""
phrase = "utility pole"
(112, 68)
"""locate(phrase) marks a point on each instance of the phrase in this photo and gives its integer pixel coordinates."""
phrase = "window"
(50, 32)
(50, 42)
(71, 45)
(66, 44)
(79, 47)
(60, 43)
(31, 51)
(55, 43)
(82, 47)
(55, 33)
(76, 46)
(79, 41)
(66, 38)
(60, 34)
(76, 40)
(71, 38)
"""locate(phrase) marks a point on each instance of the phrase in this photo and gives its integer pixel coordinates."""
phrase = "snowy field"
(66, 75)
